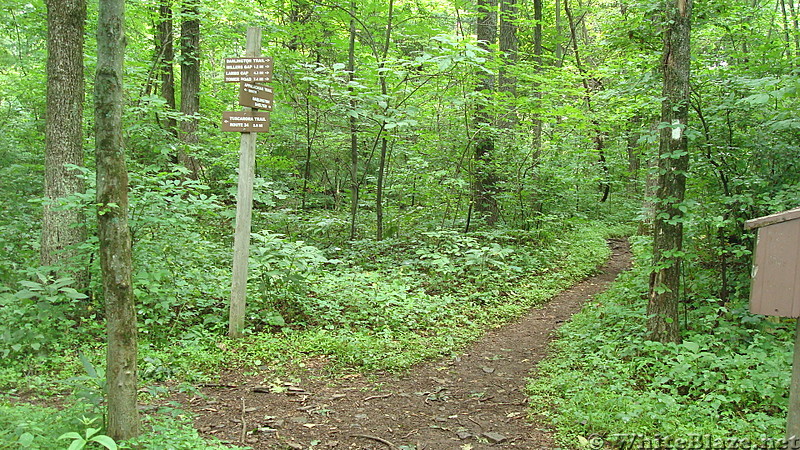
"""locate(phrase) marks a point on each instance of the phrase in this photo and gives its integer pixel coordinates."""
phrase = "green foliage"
(39, 319)
(730, 374)
(80, 441)
(386, 307)
(24, 426)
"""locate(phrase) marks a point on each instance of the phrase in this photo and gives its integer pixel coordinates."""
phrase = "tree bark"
(190, 86)
(559, 53)
(509, 46)
(536, 144)
(351, 67)
(63, 229)
(673, 164)
(112, 223)
(165, 54)
(485, 178)
(384, 139)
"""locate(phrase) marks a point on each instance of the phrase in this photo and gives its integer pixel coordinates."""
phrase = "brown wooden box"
(775, 283)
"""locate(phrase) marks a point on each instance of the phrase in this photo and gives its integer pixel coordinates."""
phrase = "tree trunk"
(384, 140)
(63, 229)
(509, 47)
(351, 67)
(673, 164)
(165, 54)
(536, 144)
(559, 49)
(485, 179)
(309, 148)
(112, 223)
(599, 136)
(190, 85)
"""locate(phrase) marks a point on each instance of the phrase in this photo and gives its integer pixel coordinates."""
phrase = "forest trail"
(474, 401)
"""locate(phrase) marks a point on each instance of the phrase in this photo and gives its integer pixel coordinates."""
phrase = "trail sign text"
(245, 121)
(248, 69)
(256, 96)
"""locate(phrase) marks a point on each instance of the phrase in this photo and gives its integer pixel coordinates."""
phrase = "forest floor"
(476, 400)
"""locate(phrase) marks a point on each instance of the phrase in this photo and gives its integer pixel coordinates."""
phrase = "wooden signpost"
(247, 71)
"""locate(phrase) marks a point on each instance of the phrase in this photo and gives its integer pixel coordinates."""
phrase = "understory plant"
(389, 307)
(728, 378)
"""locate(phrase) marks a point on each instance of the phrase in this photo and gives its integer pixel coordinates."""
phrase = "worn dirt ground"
(474, 401)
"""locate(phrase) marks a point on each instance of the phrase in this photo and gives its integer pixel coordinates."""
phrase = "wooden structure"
(775, 291)
(775, 287)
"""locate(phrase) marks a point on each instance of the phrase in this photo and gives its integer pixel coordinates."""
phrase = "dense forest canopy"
(431, 150)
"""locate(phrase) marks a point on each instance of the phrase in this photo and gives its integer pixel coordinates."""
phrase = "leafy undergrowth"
(421, 300)
(372, 306)
(606, 383)
(78, 424)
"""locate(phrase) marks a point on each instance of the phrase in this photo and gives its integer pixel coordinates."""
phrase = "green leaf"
(25, 440)
(87, 365)
(693, 347)
(105, 441)
(70, 435)
(73, 294)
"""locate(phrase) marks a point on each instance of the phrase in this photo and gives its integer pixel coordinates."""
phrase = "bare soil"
(474, 401)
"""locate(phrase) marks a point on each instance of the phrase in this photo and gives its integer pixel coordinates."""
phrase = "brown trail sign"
(248, 69)
(245, 121)
(256, 96)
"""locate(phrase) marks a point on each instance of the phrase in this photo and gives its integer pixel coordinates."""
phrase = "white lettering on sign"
(245, 121)
(262, 103)
(248, 69)
(254, 60)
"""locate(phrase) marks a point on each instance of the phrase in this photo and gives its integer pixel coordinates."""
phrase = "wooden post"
(244, 209)
(793, 418)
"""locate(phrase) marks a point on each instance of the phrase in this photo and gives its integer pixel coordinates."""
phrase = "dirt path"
(475, 401)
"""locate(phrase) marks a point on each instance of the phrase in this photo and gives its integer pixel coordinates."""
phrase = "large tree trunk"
(165, 56)
(190, 85)
(485, 178)
(673, 164)
(112, 223)
(63, 229)
(509, 47)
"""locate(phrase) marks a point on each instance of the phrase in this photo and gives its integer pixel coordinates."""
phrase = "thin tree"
(384, 139)
(673, 164)
(588, 82)
(63, 228)
(351, 68)
(112, 223)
